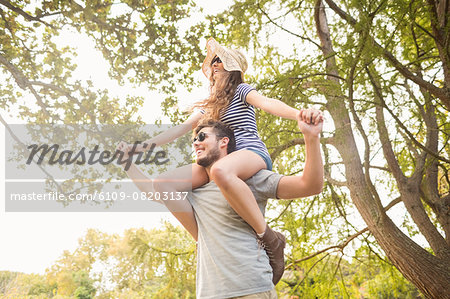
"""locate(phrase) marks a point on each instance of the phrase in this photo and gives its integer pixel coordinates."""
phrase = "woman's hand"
(138, 148)
(310, 122)
(125, 149)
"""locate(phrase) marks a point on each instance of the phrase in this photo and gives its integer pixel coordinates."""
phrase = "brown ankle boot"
(274, 242)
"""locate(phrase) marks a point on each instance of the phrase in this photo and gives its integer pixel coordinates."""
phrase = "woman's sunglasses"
(216, 59)
(200, 137)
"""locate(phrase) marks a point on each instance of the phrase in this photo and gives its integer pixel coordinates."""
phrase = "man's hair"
(221, 130)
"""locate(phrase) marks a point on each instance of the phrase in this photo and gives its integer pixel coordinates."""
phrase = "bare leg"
(229, 174)
(185, 178)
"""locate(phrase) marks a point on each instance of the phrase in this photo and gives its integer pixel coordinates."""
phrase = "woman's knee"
(220, 174)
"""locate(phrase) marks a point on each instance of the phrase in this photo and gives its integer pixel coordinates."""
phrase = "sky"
(32, 242)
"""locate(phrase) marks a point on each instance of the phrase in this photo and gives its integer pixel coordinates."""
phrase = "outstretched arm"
(310, 182)
(181, 209)
(272, 106)
(171, 134)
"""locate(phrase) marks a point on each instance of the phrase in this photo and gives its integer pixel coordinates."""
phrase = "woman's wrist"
(143, 146)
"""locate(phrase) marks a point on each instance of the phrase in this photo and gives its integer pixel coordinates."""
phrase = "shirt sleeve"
(242, 91)
(264, 184)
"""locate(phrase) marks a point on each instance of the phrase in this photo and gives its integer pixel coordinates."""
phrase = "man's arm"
(310, 182)
(181, 209)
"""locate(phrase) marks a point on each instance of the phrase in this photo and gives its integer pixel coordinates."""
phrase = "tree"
(140, 39)
(157, 263)
(381, 71)
(22, 285)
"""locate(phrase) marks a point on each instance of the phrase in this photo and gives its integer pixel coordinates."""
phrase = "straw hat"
(233, 60)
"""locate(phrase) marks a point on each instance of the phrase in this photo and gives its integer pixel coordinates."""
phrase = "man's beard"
(211, 157)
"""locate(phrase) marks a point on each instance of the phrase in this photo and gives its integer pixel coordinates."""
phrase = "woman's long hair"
(222, 91)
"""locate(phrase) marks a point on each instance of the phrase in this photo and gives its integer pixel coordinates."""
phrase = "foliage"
(157, 263)
(161, 264)
(380, 71)
(140, 39)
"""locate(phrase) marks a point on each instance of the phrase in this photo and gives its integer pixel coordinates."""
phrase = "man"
(230, 262)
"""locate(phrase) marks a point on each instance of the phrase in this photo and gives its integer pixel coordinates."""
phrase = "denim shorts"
(265, 157)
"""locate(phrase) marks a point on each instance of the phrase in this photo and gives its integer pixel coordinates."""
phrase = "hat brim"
(229, 58)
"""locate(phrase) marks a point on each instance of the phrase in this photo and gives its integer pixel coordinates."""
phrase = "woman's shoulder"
(244, 85)
(243, 89)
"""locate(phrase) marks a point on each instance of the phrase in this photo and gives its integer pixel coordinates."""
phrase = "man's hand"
(310, 122)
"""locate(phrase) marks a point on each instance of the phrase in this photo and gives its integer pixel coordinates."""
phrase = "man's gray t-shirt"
(229, 261)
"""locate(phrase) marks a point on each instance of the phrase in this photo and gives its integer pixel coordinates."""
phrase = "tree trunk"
(428, 273)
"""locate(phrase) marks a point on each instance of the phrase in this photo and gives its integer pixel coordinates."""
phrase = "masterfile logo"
(78, 167)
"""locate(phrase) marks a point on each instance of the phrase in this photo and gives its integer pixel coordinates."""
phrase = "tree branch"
(384, 135)
(334, 182)
(441, 93)
(409, 188)
(342, 245)
(66, 94)
(24, 14)
(102, 23)
(286, 30)
(23, 83)
(275, 220)
(296, 141)
(358, 122)
(24, 147)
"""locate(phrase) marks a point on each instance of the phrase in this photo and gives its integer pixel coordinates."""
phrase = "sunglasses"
(216, 59)
(200, 137)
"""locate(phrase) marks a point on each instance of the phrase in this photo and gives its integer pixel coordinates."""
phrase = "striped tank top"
(240, 117)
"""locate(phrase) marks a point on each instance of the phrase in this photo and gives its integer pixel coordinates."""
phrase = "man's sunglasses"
(200, 137)
(216, 59)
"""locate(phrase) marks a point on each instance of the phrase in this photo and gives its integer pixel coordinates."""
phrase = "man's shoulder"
(265, 174)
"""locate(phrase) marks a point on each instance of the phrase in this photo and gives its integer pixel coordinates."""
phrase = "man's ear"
(224, 142)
